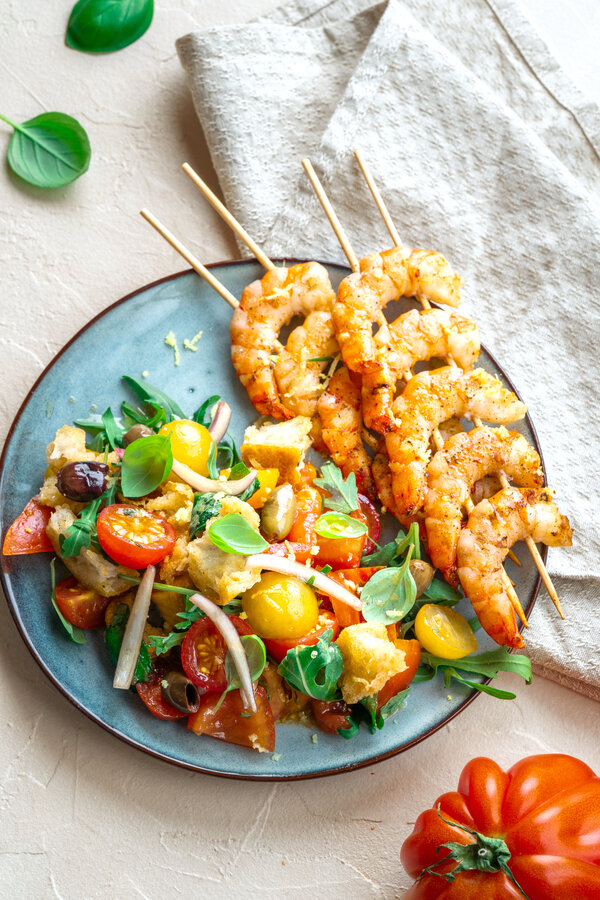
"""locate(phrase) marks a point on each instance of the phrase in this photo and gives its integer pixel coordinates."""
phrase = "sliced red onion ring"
(222, 621)
(220, 421)
(210, 485)
(134, 632)
(289, 567)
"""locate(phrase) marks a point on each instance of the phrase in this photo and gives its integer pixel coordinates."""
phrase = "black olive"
(82, 481)
(135, 433)
(180, 692)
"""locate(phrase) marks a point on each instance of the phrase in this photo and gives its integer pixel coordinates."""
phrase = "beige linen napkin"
(484, 150)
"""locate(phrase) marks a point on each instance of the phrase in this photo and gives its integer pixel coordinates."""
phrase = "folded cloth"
(484, 150)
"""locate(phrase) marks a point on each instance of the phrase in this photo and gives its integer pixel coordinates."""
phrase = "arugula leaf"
(370, 704)
(145, 465)
(389, 594)
(233, 534)
(48, 151)
(81, 533)
(202, 414)
(237, 471)
(486, 664)
(211, 462)
(150, 394)
(114, 638)
(103, 26)
(389, 554)
(394, 704)
(439, 589)
(137, 417)
(339, 525)
(314, 670)
(205, 507)
(344, 494)
(114, 433)
(76, 634)
(165, 643)
(256, 655)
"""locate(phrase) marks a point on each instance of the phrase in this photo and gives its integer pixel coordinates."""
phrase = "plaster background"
(83, 815)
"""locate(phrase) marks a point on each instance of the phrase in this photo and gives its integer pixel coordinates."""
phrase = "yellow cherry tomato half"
(190, 443)
(268, 479)
(280, 606)
(444, 632)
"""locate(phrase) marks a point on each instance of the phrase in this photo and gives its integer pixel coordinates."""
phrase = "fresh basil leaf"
(211, 462)
(145, 465)
(441, 590)
(114, 433)
(150, 394)
(103, 26)
(76, 634)
(164, 644)
(394, 704)
(206, 506)
(339, 525)
(344, 494)
(113, 637)
(49, 151)
(314, 670)
(389, 594)
(233, 534)
(202, 414)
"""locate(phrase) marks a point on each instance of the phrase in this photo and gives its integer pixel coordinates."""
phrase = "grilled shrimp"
(493, 527)
(395, 273)
(298, 380)
(464, 459)
(428, 399)
(420, 334)
(266, 306)
(341, 429)
(382, 476)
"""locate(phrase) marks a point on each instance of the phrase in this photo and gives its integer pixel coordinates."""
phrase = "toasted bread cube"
(278, 445)
(370, 659)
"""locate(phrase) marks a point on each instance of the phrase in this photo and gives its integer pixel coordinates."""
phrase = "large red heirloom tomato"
(533, 831)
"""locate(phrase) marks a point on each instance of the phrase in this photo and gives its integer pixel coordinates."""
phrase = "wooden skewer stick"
(226, 215)
(351, 256)
(531, 545)
(330, 213)
(190, 258)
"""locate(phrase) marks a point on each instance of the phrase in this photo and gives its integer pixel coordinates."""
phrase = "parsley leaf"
(344, 494)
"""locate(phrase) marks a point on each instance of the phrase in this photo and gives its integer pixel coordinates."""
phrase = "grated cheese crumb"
(191, 344)
(276, 757)
(171, 341)
(315, 738)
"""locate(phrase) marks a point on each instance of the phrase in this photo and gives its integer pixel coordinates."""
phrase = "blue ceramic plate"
(128, 338)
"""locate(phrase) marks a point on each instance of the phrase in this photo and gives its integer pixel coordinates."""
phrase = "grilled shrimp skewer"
(465, 459)
(529, 540)
(494, 526)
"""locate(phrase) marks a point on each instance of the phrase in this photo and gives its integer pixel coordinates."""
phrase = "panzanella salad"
(240, 588)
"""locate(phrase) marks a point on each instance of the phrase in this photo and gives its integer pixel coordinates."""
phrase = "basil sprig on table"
(233, 534)
(103, 26)
(48, 151)
(76, 634)
(314, 670)
(486, 664)
(145, 465)
(338, 525)
(344, 494)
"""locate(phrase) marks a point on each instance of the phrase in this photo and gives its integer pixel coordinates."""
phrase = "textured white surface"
(84, 816)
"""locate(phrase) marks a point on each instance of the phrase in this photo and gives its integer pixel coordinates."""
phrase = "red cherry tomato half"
(331, 715)
(397, 683)
(231, 722)
(278, 648)
(150, 692)
(350, 579)
(203, 654)
(80, 606)
(27, 534)
(134, 537)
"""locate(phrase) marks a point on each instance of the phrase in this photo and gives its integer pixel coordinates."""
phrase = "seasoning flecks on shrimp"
(341, 428)
(429, 399)
(265, 308)
(492, 528)
(383, 277)
(451, 474)
(415, 336)
(299, 380)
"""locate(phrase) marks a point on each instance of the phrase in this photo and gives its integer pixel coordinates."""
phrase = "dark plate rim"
(12, 602)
